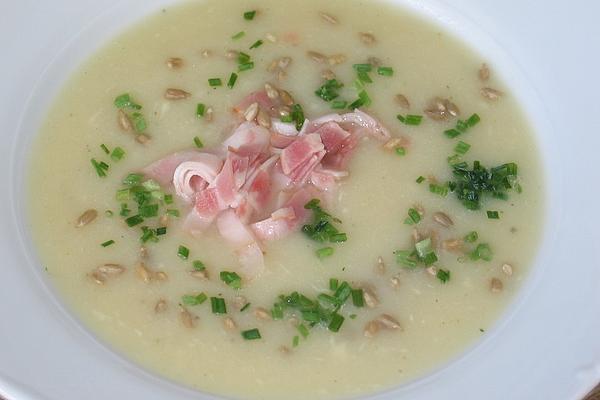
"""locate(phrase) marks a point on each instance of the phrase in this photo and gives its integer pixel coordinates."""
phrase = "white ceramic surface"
(545, 346)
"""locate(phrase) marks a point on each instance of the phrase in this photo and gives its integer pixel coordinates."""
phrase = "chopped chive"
(482, 252)
(420, 179)
(410, 119)
(295, 341)
(139, 122)
(123, 195)
(362, 67)
(243, 58)
(151, 184)
(161, 230)
(473, 120)
(198, 142)
(134, 220)
(214, 82)
(452, 133)
(405, 258)
(249, 15)
(462, 147)
(430, 258)
(454, 159)
(438, 189)
(385, 71)
(311, 316)
(423, 247)
(357, 298)
(277, 311)
(108, 213)
(413, 217)
(338, 237)
(333, 284)
(183, 252)
(364, 96)
(443, 275)
(200, 110)
(104, 148)
(148, 235)
(471, 237)
(238, 35)
(133, 179)
(303, 330)
(198, 265)
(324, 252)
(231, 279)
(124, 210)
(352, 316)
(100, 167)
(168, 199)
(343, 292)
(148, 210)
(339, 104)
(493, 214)
(218, 305)
(124, 101)
(401, 151)
(245, 66)
(257, 44)
(107, 243)
(364, 77)
(232, 79)
(251, 334)
(297, 115)
(173, 212)
(245, 307)
(117, 154)
(336, 322)
(191, 300)
(329, 90)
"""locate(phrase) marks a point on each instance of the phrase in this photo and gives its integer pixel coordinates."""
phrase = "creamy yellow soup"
(437, 320)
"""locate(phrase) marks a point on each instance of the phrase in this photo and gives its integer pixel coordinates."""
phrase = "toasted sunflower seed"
(496, 285)
(453, 244)
(284, 350)
(484, 72)
(142, 138)
(143, 252)
(328, 18)
(202, 275)
(388, 322)
(336, 59)
(110, 269)
(367, 38)
(286, 98)
(271, 38)
(98, 277)
(208, 114)
(176, 94)
(369, 297)
(272, 92)
(380, 266)
(395, 281)
(490, 94)
(416, 235)
(174, 62)
(262, 314)
(186, 318)
(161, 306)
(239, 302)
(229, 323)
(251, 112)
(431, 270)
(281, 75)
(316, 57)
(402, 101)
(87, 217)
(393, 143)
(206, 53)
(507, 269)
(124, 121)
(143, 273)
(263, 118)
(284, 62)
(442, 219)
(327, 74)
(160, 276)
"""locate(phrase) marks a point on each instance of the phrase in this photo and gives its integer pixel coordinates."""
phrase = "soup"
(418, 215)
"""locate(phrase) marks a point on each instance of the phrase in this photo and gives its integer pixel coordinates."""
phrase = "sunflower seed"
(271, 38)
(286, 98)
(206, 53)
(388, 322)
(124, 121)
(431, 270)
(160, 276)
(163, 220)
(395, 281)
(393, 143)
(452, 244)
(176, 94)
(263, 118)
(161, 306)
(316, 57)
(272, 92)
(416, 236)
(369, 297)
(451, 108)
(328, 18)
(186, 318)
(327, 74)
(143, 252)
(208, 114)
(239, 302)
(202, 275)
(284, 350)
(174, 62)
(284, 62)
(229, 323)
(284, 111)
(496, 285)
(366, 38)
(142, 138)
(251, 112)
(98, 277)
(484, 72)
(442, 219)
(143, 273)
(336, 59)
(262, 314)
(281, 75)
(490, 94)
(380, 266)
(402, 101)
(231, 54)
(110, 269)
(87, 217)
(507, 269)
(371, 329)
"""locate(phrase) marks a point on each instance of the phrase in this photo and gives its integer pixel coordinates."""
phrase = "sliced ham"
(283, 128)
(259, 97)
(332, 136)
(299, 152)
(359, 119)
(248, 139)
(162, 170)
(190, 177)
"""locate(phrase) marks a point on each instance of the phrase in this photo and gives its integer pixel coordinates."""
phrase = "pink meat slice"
(332, 136)
(259, 97)
(361, 120)
(299, 152)
(191, 177)
(301, 174)
(162, 170)
(248, 139)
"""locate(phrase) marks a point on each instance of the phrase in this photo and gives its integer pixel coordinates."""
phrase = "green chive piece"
(198, 142)
(343, 292)
(303, 330)
(200, 110)
(329, 90)
(405, 258)
(124, 210)
(462, 148)
(249, 15)
(357, 298)
(134, 220)
(183, 252)
(245, 307)
(297, 115)
(295, 341)
(117, 154)
(161, 230)
(364, 77)
(438, 189)
(473, 120)
(251, 334)
(245, 66)
(123, 195)
(413, 217)
(385, 71)
(108, 213)
(443, 275)
(231, 279)
(107, 243)
(151, 184)
(173, 212)
(148, 235)
(339, 104)
(232, 79)
(139, 122)
(423, 247)
(238, 35)
(148, 210)
(336, 322)
(256, 44)
(333, 284)
(324, 252)
(493, 214)
(100, 167)
(452, 133)
(214, 82)
(194, 300)
(277, 311)
(133, 179)
(430, 259)
(104, 148)
(401, 151)
(420, 179)
(125, 101)
(198, 265)
(482, 252)
(168, 199)
(243, 57)
(471, 237)
(218, 305)
(410, 119)
(362, 67)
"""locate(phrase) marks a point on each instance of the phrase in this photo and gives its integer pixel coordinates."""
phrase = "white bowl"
(544, 347)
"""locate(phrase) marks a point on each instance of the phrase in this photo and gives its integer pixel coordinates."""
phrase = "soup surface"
(420, 305)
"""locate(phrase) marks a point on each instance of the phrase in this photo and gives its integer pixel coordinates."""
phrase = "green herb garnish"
(462, 148)
(251, 334)
(249, 15)
(443, 275)
(297, 115)
(324, 252)
(413, 217)
(420, 179)
(245, 307)
(200, 110)
(493, 214)
(357, 298)
(329, 90)
(117, 154)
(100, 166)
(385, 71)
(362, 67)
(104, 148)
(410, 119)
(401, 151)
(198, 265)
(198, 142)
(238, 35)
(218, 305)
(322, 228)
(183, 252)
(193, 300)
(482, 252)
(232, 79)
(214, 82)
(471, 237)
(231, 279)
(256, 44)
(107, 243)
